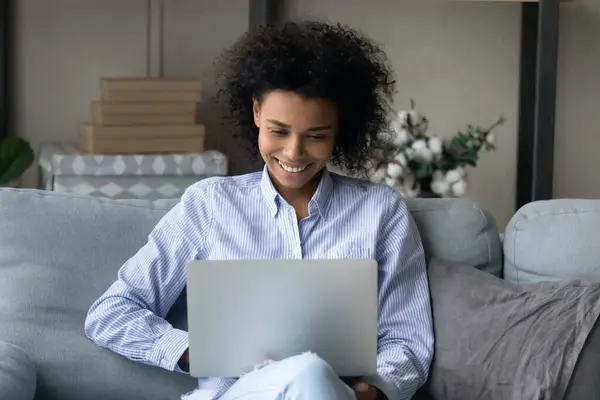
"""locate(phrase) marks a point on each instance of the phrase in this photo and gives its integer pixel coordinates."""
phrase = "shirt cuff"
(387, 388)
(169, 348)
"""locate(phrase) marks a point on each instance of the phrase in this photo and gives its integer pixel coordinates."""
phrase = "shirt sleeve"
(129, 318)
(405, 334)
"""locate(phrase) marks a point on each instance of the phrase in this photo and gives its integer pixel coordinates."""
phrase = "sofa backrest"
(59, 252)
(553, 241)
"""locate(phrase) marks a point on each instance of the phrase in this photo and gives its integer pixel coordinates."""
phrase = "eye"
(318, 136)
(278, 132)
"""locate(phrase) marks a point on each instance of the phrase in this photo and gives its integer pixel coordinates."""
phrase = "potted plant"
(16, 156)
(419, 165)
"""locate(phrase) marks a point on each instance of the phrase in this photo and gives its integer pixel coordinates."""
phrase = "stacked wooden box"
(144, 115)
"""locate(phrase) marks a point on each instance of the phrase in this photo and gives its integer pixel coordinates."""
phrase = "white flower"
(401, 159)
(394, 170)
(459, 188)
(418, 122)
(490, 138)
(414, 117)
(402, 118)
(423, 155)
(439, 185)
(401, 137)
(413, 120)
(419, 144)
(378, 175)
(391, 181)
(455, 175)
(435, 145)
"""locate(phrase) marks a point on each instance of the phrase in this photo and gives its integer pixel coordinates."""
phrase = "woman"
(303, 95)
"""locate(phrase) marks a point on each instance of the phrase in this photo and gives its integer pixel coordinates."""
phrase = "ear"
(256, 112)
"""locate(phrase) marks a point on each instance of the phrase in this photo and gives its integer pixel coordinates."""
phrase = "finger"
(361, 386)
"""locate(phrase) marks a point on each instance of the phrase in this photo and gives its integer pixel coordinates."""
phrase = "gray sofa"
(59, 252)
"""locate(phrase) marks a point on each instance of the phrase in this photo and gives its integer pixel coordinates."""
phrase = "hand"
(184, 362)
(185, 358)
(364, 391)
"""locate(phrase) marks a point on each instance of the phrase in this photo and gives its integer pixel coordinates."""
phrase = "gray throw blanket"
(500, 341)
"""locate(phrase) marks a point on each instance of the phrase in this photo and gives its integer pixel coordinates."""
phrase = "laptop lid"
(244, 312)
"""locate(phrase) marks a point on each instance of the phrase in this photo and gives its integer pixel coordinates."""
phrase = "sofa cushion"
(17, 373)
(58, 253)
(458, 230)
(498, 340)
(553, 241)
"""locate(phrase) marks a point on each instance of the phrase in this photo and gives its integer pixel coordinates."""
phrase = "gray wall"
(65, 46)
(458, 60)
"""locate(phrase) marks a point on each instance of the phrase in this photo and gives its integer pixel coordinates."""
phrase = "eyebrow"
(313, 129)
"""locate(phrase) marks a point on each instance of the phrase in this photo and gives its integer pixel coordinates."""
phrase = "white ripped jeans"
(302, 377)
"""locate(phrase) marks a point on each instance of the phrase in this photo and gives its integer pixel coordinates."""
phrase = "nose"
(294, 148)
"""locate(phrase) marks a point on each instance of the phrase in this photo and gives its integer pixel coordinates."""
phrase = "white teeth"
(291, 169)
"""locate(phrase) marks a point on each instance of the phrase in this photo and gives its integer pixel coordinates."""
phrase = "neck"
(300, 196)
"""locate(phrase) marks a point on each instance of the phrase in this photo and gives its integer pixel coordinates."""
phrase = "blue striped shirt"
(243, 216)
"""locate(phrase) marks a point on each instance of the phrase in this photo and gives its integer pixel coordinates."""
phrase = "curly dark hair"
(315, 60)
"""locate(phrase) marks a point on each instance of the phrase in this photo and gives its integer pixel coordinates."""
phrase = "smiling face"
(296, 139)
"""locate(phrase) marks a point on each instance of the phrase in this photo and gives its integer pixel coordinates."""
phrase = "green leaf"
(446, 163)
(16, 156)
(421, 170)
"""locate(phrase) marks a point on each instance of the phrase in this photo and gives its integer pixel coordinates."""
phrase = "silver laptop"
(242, 313)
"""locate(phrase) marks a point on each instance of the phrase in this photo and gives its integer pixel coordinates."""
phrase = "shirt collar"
(319, 202)
(269, 191)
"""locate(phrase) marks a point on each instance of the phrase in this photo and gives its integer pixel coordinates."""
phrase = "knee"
(311, 367)
(316, 380)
